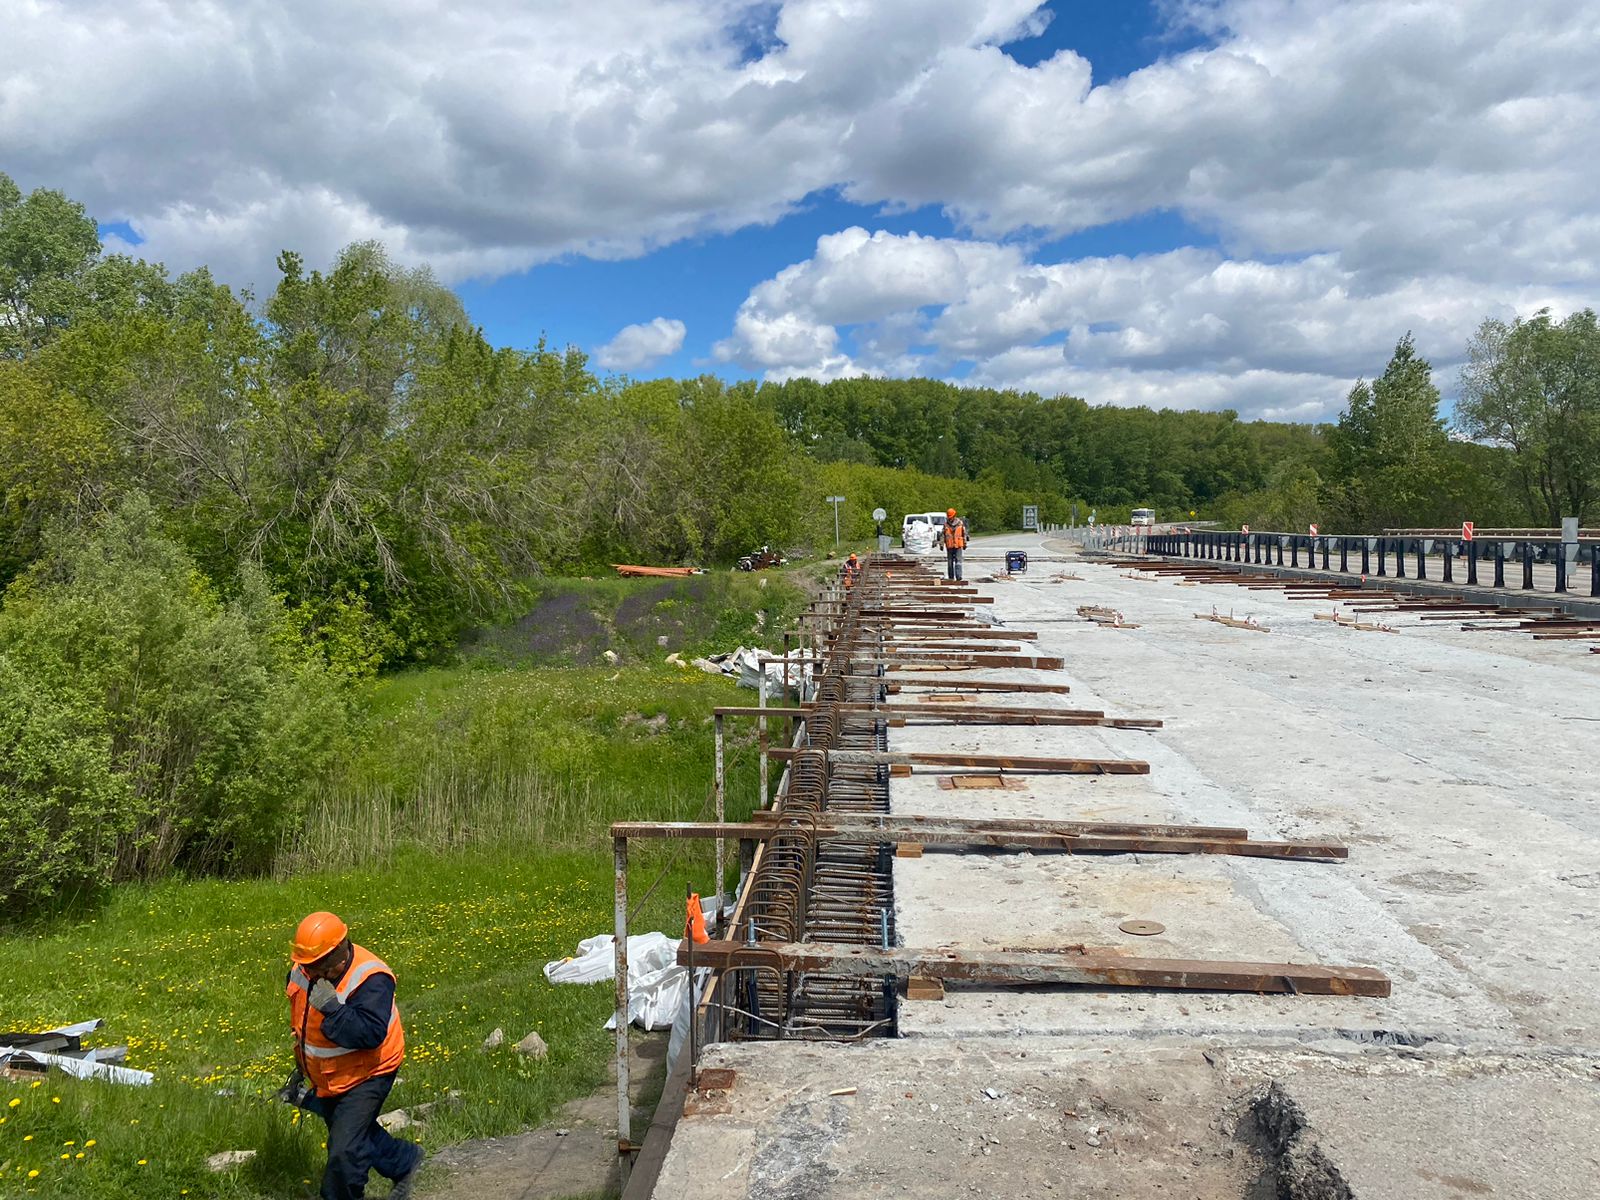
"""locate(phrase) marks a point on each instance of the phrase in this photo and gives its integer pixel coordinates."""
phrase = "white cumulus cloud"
(1353, 167)
(643, 345)
(1189, 328)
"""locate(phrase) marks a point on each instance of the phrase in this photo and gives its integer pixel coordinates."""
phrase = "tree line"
(220, 512)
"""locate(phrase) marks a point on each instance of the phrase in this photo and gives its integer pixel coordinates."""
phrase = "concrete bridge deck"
(1461, 770)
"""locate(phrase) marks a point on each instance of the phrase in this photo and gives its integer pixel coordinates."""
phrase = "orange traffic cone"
(695, 924)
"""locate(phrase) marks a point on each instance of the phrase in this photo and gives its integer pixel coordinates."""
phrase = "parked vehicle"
(1143, 516)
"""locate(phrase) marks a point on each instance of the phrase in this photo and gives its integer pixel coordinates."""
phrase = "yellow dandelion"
(55, 1099)
(143, 1161)
(33, 1174)
(15, 1100)
(66, 1156)
(27, 1137)
(89, 1143)
(79, 1154)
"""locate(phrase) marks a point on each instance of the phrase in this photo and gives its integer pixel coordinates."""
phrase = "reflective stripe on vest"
(333, 1069)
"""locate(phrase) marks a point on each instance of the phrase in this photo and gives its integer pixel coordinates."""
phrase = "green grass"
(465, 843)
(190, 976)
(548, 755)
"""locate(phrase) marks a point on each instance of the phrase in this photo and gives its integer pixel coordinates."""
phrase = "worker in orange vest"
(852, 571)
(955, 541)
(348, 1046)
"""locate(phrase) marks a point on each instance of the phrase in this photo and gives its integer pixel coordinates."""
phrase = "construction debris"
(33, 1055)
(629, 571)
(1231, 621)
(1102, 615)
(1354, 622)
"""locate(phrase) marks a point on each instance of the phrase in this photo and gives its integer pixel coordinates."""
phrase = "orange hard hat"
(949, 512)
(852, 558)
(316, 935)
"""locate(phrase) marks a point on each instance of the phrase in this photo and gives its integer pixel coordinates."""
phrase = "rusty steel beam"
(977, 836)
(919, 710)
(1043, 967)
(970, 685)
(914, 822)
(1004, 762)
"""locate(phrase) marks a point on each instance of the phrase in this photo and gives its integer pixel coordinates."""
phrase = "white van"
(920, 532)
(1142, 516)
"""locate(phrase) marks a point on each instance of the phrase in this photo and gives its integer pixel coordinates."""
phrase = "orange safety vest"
(329, 1067)
(955, 534)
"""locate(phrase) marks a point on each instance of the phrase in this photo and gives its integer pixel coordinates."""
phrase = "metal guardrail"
(1376, 555)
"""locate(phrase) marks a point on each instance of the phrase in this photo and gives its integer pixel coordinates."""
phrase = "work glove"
(296, 1090)
(324, 998)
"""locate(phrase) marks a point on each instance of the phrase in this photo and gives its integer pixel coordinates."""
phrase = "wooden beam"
(1042, 967)
(1003, 762)
(977, 834)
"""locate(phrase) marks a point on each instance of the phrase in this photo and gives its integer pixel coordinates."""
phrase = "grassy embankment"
(464, 843)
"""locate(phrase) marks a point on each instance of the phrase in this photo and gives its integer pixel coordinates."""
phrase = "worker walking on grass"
(348, 1045)
(955, 541)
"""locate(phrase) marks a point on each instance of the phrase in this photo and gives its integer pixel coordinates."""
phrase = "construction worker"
(348, 1046)
(851, 572)
(955, 541)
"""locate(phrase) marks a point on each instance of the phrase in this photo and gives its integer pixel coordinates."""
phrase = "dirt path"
(575, 1155)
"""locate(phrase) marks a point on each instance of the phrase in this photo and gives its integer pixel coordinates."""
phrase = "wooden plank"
(1042, 967)
(1020, 824)
(975, 685)
(1004, 762)
(976, 836)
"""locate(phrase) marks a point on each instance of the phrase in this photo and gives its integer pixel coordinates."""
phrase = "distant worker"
(955, 541)
(348, 1046)
(851, 571)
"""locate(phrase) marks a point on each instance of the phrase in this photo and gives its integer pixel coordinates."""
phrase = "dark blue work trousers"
(357, 1143)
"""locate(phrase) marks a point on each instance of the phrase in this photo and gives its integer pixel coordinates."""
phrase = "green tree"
(1389, 448)
(47, 246)
(1533, 386)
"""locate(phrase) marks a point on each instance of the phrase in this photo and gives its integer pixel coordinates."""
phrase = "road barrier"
(1384, 556)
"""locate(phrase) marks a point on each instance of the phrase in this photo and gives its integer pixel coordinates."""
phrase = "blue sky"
(1179, 203)
(702, 281)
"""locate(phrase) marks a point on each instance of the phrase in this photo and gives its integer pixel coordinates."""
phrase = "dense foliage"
(147, 724)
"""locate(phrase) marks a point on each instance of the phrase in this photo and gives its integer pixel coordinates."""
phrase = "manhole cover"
(1142, 928)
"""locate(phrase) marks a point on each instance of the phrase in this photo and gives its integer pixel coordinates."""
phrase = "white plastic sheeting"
(747, 667)
(657, 986)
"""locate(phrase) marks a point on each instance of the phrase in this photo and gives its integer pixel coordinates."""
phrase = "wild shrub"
(147, 723)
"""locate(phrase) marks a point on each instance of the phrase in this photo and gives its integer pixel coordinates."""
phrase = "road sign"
(1313, 529)
(835, 501)
(1244, 529)
(1191, 513)
(878, 514)
(1030, 516)
(1466, 531)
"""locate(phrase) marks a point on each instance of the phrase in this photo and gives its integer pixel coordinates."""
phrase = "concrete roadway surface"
(1459, 767)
